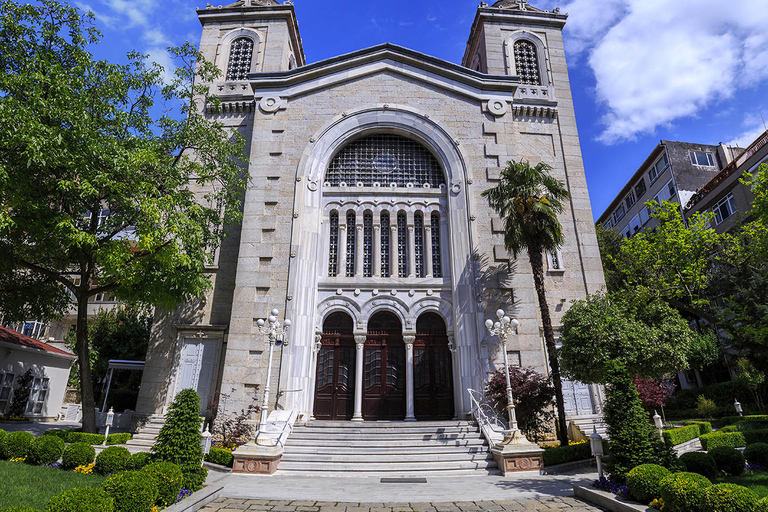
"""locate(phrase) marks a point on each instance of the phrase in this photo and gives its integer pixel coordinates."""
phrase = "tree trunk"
(537, 266)
(84, 360)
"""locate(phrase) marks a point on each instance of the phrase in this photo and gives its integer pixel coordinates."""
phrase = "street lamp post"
(503, 328)
(275, 333)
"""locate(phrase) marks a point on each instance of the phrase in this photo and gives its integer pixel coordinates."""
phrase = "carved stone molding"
(409, 339)
(360, 339)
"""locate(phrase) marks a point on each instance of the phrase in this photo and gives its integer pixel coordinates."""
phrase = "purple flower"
(606, 485)
(183, 494)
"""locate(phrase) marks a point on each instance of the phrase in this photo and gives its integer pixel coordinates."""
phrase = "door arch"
(432, 370)
(384, 369)
(334, 388)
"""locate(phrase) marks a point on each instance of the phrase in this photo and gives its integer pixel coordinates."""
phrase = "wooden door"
(335, 378)
(384, 370)
(432, 370)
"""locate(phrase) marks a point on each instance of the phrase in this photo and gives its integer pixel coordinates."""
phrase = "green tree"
(102, 190)
(529, 199)
(759, 184)
(179, 438)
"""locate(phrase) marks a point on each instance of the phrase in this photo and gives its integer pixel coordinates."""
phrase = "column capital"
(360, 339)
(409, 339)
(427, 228)
(317, 346)
(451, 342)
(342, 226)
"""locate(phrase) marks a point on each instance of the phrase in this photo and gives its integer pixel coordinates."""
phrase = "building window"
(657, 168)
(385, 244)
(351, 244)
(702, 158)
(667, 193)
(640, 189)
(402, 253)
(629, 200)
(418, 237)
(6, 386)
(33, 329)
(436, 268)
(635, 224)
(644, 215)
(37, 395)
(385, 159)
(240, 56)
(513, 356)
(608, 224)
(333, 246)
(367, 244)
(724, 209)
(526, 62)
(619, 213)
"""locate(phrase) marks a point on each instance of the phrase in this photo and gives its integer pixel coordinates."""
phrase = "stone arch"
(225, 44)
(542, 54)
(391, 304)
(337, 304)
(434, 305)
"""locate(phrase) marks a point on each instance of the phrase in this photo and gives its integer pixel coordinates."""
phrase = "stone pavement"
(563, 504)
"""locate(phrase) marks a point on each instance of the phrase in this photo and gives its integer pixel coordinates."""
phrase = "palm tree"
(528, 199)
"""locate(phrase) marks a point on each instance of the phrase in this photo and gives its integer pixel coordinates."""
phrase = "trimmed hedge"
(700, 463)
(757, 454)
(719, 439)
(194, 480)
(3, 433)
(220, 456)
(729, 498)
(755, 436)
(563, 454)
(138, 461)
(118, 438)
(112, 460)
(729, 460)
(77, 454)
(46, 450)
(762, 505)
(75, 436)
(643, 482)
(16, 445)
(681, 435)
(705, 427)
(133, 491)
(82, 499)
(169, 478)
(20, 509)
(683, 492)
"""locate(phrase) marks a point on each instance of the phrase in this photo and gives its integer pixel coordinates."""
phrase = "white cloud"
(161, 56)
(657, 61)
(753, 127)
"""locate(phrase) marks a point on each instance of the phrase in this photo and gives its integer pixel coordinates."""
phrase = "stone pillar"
(376, 249)
(411, 248)
(393, 249)
(456, 375)
(313, 375)
(359, 250)
(409, 414)
(341, 270)
(359, 361)
(427, 249)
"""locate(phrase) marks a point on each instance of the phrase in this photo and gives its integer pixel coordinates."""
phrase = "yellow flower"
(18, 459)
(85, 469)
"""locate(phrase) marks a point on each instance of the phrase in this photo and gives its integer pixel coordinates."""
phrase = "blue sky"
(641, 70)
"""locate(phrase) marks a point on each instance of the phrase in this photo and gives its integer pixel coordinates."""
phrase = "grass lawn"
(33, 486)
(757, 481)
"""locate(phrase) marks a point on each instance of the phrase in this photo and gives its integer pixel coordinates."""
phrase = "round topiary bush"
(762, 505)
(46, 450)
(77, 454)
(683, 492)
(643, 482)
(81, 499)
(757, 453)
(16, 445)
(138, 461)
(133, 491)
(729, 498)
(194, 480)
(169, 478)
(699, 462)
(112, 460)
(729, 460)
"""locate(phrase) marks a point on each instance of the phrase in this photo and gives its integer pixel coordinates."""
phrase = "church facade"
(363, 222)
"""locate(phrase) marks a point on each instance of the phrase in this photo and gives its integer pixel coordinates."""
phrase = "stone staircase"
(388, 449)
(581, 427)
(145, 438)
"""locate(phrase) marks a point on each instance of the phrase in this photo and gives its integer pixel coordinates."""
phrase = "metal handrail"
(486, 415)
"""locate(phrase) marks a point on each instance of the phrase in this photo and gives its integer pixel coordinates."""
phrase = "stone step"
(388, 424)
(386, 467)
(386, 430)
(464, 473)
(365, 458)
(386, 450)
(147, 443)
(392, 437)
(384, 443)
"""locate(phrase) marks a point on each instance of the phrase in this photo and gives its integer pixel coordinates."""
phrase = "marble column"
(427, 250)
(456, 375)
(359, 361)
(411, 250)
(359, 250)
(376, 249)
(313, 375)
(393, 251)
(409, 340)
(341, 270)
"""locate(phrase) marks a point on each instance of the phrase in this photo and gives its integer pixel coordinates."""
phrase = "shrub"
(224, 457)
(77, 454)
(179, 439)
(717, 439)
(681, 435)
(757, 454)
(81, 499)
(118, 438)
(729, 460)
(683, 492)
(46, 450)
(643, 482)
(111, 460)
(533, 397)
(84, 437)
(20, 509)
(762, 505)
(194, 480)
(729, 498)
(61, 434)
(705, 407)
(168, 478)
(138, 461)
(755, 436)
(722, 394)
(133, 491)
(705, 427)
(729, 428)
(3, 433)
(699, 463)
(16, 445)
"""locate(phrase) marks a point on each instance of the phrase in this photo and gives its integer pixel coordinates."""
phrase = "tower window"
(527, 62)
(333, 251)
(367, 244)
(418, 236)
(436, 270)
(402, 252)
(350, 244)
(384, 244)
(240, 56)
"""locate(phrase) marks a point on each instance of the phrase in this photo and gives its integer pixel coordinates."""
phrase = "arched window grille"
(367, 244)
(436, 269)
(385, 244)
(351, 244)
(527, 62)
(384, 159)
(333, 250)
(402, 252)
(240, 56)
(418, 242)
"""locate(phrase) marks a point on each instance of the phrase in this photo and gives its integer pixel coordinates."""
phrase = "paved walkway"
(546, 504)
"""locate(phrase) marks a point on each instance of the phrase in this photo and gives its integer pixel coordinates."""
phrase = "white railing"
(491, 423)
(276, 429)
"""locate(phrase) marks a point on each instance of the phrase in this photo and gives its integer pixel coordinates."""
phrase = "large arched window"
(240, 57)
(384, 159)
(527, 62)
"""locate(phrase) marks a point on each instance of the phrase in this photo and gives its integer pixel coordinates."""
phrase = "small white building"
(50, 370)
